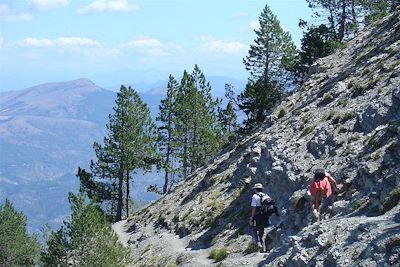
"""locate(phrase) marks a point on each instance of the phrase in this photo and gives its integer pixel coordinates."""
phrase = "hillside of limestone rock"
(344, 118)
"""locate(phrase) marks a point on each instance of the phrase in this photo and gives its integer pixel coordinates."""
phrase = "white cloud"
(218, 46)
(7, 14)
(100, 6)
(152, 47)
(144, 43)
(58, 42)
(254, 25)
(44, 5)
(207, 38)
(240, 14)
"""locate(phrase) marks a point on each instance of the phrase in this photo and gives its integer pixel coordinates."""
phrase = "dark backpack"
(268, 205)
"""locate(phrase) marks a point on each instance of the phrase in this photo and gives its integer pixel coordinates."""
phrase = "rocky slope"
(346, 119)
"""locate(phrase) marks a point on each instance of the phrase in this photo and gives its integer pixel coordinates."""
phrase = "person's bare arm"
(253, 213)
(331, 180)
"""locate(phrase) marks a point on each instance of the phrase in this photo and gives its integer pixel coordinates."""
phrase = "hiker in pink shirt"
(321, 187)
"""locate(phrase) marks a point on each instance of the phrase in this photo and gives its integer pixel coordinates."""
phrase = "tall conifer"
(269, 62)
(129, 146)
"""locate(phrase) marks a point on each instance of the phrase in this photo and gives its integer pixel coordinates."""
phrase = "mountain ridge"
(46, 132)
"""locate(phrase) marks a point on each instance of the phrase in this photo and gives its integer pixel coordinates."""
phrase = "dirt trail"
(176, 246)
(120, 229)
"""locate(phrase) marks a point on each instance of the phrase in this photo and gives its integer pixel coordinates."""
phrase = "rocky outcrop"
(346, 119)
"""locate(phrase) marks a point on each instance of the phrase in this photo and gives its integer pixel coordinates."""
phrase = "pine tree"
(167, 133)
(183, 109)
(189, 125)
(375, 9)
(346, 17)
(205, 127)
(85, 240)
(269, 62)
(128, 147)
(317, 42)
(17, 248)
(227, 116)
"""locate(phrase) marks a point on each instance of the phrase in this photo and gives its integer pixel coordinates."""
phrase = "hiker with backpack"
(321, 191)
(262, 207)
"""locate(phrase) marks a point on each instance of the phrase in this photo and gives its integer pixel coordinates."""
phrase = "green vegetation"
(370, 141)
(371, 84)
(392, 200)
(354, 138)
(342, 130)
(192, 126)
(128, 147)
(380, 65)
(328, 98)
(340, 143)
(365, 72)
(377, 155)
(351, 84)
(357, 204)
(358, 90)
(348, 116)
(251, 248)
(364, 53)
(317, 42)
(392, 52)
(329, 115)
(343, 102)
(17, 248)
(269, 62)
(281, 113)
(308, 130)
(218, 254)
(86, 240)
(215, 208)
(394, 66)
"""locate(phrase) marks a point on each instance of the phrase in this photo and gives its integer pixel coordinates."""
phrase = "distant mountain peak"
(59, 98)
(82, 81)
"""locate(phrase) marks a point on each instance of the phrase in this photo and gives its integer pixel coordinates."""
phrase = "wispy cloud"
(44, 5)
(7, 14)
(240, 14)
(100, 6)
(152, 47)
(212, 45)
(58, 42)
(253, 25)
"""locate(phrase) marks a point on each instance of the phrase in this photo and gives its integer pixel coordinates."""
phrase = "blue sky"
(126, 41)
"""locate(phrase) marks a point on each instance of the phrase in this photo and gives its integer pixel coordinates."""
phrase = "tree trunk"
(194, 159)
(165, 188)
(127, 194)
(119, 202)
(354, 15)
(342, 22)
(185, 159)
(332, 20)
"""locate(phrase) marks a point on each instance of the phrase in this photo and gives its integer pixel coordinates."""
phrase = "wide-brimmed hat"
(258, 186)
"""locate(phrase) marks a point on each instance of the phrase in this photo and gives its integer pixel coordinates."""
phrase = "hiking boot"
(259, 245)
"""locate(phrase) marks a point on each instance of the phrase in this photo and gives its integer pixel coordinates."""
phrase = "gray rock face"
(344, 119)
